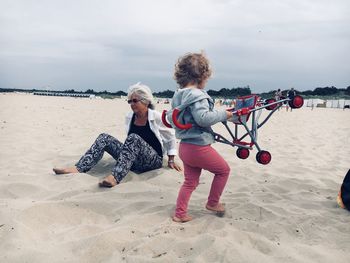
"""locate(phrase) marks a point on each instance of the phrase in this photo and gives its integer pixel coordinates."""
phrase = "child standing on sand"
(192, 71)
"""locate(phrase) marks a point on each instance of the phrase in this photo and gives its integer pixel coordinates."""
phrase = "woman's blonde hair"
(143, 92)
(192, 68)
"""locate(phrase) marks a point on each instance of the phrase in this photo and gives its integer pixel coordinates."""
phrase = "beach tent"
(337, 103)
(313, 102)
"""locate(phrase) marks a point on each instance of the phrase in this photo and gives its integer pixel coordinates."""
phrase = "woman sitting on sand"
(143, 148)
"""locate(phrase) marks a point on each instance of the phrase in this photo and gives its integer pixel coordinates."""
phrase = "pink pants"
(195, 158)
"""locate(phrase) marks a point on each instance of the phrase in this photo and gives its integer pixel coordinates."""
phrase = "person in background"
(278, 95)
(291, 94)
(343, 198)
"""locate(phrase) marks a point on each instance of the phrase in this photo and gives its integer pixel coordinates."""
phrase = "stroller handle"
(164, 120)
(177, 123)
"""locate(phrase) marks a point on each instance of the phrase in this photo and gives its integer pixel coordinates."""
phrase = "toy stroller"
(245, 106)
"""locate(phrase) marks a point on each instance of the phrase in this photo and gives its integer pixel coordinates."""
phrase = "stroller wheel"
(296, 102)
(263, 157)
(271, 107)
(242, 153)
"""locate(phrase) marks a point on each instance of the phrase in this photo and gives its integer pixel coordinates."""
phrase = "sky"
(110, 45)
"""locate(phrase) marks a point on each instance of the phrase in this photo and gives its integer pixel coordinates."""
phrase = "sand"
(283, 212)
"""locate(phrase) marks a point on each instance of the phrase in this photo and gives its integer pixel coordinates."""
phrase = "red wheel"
(296, 102)
(263, 157)
(271, 107)
(242, 153)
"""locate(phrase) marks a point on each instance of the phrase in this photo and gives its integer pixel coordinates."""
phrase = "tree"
(230, 93)
(325, 91)
(164, 94)
(347, 91)
(307, 92)
(120, 93)
(69, 91)
(90, 91)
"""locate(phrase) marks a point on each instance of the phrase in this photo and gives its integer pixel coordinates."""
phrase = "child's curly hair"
(192, 67)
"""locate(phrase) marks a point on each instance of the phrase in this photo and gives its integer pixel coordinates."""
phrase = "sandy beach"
(282, 212)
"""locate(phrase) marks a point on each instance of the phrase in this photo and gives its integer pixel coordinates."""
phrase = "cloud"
(112, 44)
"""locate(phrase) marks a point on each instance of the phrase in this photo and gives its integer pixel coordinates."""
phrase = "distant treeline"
(222, 93)
(71, 91)
(317, 92)
(242, 91)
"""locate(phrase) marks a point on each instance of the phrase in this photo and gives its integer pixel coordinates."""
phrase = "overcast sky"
(109, 45)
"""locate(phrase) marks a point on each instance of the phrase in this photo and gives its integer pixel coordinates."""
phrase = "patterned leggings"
(135, 154)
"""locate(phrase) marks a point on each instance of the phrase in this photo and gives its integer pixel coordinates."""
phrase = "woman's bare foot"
(69, 170)
(108, 181)
(220, 208)
(182, 219)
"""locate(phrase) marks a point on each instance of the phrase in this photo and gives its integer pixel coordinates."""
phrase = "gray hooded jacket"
(196, 107)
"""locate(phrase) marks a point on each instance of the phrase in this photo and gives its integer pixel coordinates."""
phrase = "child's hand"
(232, 117)
(229, 114)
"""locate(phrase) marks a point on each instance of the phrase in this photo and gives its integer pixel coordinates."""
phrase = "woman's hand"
(175, 166)
(172, 164)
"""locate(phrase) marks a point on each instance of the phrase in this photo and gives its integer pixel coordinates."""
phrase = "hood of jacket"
(187, 96)
(182, 99)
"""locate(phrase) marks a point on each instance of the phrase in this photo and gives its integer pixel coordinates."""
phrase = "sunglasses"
(133, 101)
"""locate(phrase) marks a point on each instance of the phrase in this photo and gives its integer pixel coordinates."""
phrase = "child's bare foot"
(182, 219)
(69, 170)
(108, 181)
(220, 207)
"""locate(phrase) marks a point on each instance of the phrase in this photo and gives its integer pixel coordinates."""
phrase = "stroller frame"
(241, 116)
(252, 132)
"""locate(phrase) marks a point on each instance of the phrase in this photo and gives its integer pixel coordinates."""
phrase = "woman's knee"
(103, 140)
(102, 137)
(133, 137)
